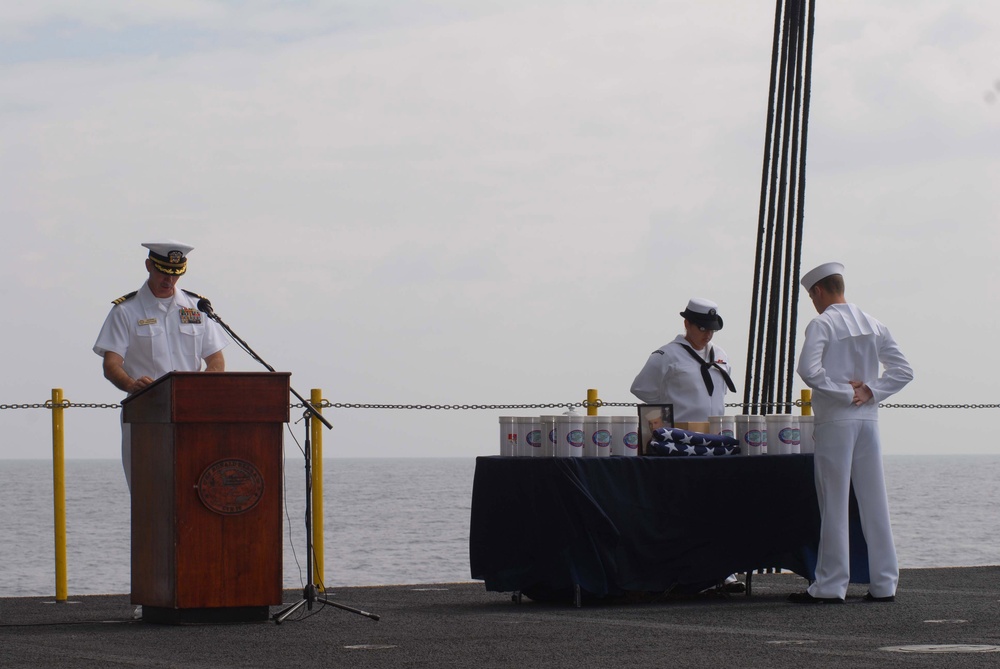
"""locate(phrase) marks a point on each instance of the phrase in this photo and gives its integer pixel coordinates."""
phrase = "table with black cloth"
(613, 525)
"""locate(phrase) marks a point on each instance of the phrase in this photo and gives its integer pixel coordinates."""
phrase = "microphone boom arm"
(206, 307)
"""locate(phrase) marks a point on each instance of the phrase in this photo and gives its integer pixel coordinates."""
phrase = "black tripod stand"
(309, 596)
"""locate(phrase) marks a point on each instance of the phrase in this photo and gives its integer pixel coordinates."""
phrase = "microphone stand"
(309, 596)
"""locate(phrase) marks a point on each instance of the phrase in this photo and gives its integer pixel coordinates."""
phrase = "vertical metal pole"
(59, 492)
(806, 395)
(316, 399)
(592, 401)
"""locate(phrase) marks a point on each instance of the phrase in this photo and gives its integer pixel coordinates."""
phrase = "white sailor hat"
(169, 256)
(704, 313)
(817, 274)
(653, 414)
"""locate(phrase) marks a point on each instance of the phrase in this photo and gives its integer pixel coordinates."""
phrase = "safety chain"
(940, 406)
(65, 404)
(799, 403)
(767, 405)
(326, 404)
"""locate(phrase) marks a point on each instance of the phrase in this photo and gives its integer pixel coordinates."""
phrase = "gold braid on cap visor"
(166, 267)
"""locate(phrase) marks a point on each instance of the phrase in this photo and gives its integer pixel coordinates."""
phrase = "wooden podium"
(207, 495)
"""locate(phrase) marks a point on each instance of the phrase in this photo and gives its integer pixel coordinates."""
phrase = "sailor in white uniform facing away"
(840, 359)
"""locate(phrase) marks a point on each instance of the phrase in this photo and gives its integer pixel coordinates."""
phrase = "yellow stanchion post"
(592, 401)
(806, 396)
(316, 399)
(59, 492)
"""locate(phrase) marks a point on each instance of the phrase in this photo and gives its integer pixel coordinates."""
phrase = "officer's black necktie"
(707, 365)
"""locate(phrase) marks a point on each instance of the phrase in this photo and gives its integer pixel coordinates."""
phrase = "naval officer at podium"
(156, 330)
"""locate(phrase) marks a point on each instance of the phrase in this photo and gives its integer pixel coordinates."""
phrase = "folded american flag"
(674, 441)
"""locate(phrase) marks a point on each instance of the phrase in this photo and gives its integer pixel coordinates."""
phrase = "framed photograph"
(652, 417)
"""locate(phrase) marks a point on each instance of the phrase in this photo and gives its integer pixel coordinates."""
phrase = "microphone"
(206, 306)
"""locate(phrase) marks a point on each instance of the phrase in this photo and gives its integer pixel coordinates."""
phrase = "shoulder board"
(124, 297)
(195, 295)
(660, 351)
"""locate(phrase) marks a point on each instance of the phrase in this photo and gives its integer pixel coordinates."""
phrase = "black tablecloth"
(618, 524)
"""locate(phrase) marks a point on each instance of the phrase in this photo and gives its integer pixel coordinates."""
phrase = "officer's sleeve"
(114, 334)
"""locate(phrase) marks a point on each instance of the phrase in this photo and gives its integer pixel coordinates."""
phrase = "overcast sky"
(485, 202)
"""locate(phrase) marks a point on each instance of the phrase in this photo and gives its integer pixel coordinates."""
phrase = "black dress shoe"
(869, 597)
(806, 598)
(736, 587)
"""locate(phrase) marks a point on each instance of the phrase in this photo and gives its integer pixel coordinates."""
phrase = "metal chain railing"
(326, 404)
(939, 406)
(462, 407)
(600, 403)
(65, 404)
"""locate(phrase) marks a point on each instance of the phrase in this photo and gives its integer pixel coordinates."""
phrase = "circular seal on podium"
(230, 486)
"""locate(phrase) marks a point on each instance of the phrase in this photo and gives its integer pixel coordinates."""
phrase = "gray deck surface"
(941, 611)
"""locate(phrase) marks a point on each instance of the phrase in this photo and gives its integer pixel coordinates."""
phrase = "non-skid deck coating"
(941, 618)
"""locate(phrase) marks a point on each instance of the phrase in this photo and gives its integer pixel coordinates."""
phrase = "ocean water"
(406, 521)
(385, 522)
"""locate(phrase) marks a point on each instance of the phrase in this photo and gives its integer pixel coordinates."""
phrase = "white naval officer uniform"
(845, 344)
(156, 336)
(672, 376)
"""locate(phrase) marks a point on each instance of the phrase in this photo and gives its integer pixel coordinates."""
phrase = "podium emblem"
(230, 487)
